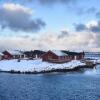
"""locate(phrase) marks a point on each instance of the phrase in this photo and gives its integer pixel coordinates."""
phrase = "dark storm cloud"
(19, 18)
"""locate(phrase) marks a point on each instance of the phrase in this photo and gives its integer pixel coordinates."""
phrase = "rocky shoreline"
(75, 69)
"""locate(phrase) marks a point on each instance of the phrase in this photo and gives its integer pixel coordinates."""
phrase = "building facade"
(55, 57)
(58, 56)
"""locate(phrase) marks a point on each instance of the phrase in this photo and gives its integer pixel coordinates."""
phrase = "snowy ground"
(35, 65)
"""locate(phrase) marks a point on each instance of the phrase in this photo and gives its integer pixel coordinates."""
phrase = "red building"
(61, 56)
(55, 56)
(12, 54)
(7, 55)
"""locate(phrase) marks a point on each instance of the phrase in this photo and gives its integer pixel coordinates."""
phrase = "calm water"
(58, 86)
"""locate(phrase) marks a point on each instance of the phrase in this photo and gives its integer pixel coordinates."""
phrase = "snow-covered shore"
(36, 65)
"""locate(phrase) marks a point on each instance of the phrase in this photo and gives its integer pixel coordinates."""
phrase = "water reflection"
(94, 71)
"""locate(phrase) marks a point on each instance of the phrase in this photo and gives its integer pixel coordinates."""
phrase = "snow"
(14, 52)
(59, 53)
(1, 54)
(35, 65)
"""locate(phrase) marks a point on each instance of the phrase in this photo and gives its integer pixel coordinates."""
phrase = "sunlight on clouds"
(16, 7)
(91, 24)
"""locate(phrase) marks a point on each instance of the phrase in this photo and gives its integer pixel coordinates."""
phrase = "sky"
(50, 24)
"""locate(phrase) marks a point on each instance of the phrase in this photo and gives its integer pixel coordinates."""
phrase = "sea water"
(54, 86)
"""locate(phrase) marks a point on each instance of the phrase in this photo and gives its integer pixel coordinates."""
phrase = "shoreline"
(75, 69)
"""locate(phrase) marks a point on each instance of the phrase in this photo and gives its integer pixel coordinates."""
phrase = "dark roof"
(72, 53)
(35, 52)
(38, 52)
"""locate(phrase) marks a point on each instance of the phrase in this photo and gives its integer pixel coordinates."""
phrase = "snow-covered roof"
(77, 51)
(14, 52)
(58, 52)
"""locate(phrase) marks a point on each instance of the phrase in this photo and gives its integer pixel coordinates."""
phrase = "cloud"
(63, 33)
(80, 27)
(50, 2)
(83, 10)
(91, 10)
(19, 18)
(71, 41)
(98, 14)
(92, 26)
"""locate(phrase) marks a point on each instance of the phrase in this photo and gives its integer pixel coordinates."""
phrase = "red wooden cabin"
(7, 55)
(61, 56)
(55, 57)
(12, 54)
